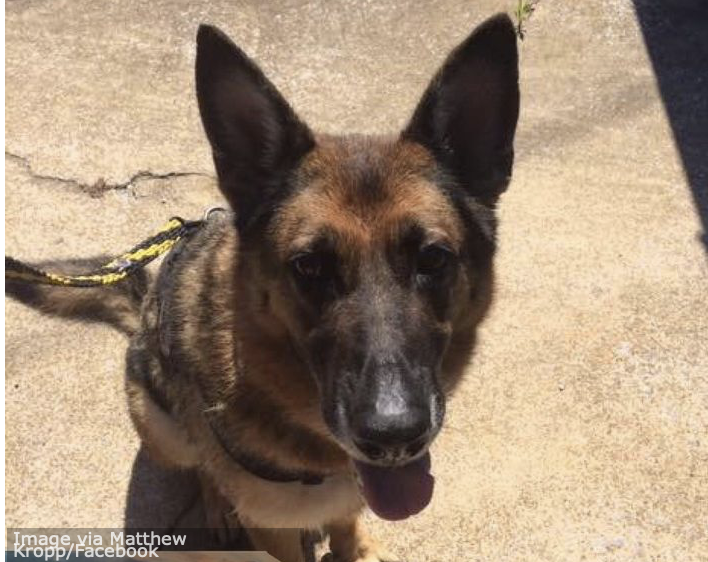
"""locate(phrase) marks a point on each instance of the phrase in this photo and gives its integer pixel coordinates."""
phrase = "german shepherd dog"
(297, 350)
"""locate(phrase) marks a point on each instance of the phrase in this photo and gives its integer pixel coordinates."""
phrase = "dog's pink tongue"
(397, 493)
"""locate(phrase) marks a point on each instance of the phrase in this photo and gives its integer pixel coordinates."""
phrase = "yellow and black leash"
(115, 270)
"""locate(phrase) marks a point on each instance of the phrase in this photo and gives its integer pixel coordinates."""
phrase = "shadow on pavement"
(158, 497)
(676, 37)
(171, 500)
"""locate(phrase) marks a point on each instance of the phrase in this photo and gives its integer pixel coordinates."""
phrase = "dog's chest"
(271, 504)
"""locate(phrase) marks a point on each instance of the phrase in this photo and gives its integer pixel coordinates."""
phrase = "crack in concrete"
(100, 186)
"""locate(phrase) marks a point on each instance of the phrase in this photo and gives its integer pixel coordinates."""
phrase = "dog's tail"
(117, 304)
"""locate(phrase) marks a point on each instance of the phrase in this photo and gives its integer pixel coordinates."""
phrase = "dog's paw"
(349, 542)
(382, 556)
(329, 557)
(370, 552)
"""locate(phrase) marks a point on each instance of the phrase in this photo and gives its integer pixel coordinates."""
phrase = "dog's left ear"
(467, 116)
(256, 138)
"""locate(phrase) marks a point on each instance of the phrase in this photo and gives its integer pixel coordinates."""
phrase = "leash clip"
(213, 209)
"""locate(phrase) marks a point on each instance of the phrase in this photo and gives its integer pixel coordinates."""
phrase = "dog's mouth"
(395, 493)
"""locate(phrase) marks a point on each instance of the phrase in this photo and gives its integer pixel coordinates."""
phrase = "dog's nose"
(392, 437)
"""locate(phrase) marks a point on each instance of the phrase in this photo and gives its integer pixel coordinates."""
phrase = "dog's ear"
(467, 116)
(256, 138)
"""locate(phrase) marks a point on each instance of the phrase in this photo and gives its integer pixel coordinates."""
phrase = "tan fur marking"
(362, 216)
(166, 441)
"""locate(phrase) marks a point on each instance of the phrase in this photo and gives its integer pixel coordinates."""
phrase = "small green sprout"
(524, 9)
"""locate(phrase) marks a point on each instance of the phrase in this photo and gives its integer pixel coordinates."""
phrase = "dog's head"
(373, 256)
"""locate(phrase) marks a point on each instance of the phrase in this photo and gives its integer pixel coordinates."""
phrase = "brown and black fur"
(350, 266)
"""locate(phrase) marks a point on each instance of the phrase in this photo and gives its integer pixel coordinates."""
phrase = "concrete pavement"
(580, 433)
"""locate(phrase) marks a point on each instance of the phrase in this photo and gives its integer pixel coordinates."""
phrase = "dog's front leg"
(285, 545)
(349, 542)
(219, 515)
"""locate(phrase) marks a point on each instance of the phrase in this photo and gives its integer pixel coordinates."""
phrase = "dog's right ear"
(256, 138)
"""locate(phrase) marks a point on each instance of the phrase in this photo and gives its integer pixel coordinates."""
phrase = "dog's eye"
(307, 265)
(433, 259)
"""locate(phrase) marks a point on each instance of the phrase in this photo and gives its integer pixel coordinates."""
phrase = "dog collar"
(261, 468)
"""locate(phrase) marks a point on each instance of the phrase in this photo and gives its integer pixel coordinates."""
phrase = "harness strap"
(255, 465)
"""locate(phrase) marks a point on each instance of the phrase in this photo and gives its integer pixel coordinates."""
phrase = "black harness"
(263, 469)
